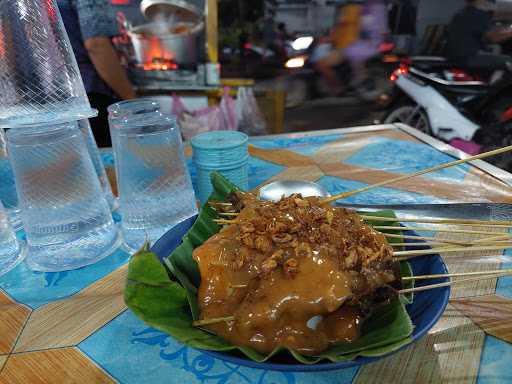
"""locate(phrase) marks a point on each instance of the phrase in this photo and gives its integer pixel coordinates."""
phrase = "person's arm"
(107, 64)
(97, 26)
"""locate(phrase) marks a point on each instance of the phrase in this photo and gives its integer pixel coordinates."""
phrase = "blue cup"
(225, 152)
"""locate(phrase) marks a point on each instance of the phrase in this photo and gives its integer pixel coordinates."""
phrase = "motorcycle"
(306, 83)
(261, 62)
(448, 102)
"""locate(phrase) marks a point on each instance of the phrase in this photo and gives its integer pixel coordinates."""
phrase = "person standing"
(91, 24)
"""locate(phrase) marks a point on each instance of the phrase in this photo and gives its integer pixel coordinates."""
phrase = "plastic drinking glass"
(39, 77)
(155, 189)
(11, 251)
(133, 107)
(64, 212)
(94, 152)
(123, 109)
(7, 186)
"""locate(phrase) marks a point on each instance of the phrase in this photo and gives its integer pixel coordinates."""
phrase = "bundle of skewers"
(485, 230)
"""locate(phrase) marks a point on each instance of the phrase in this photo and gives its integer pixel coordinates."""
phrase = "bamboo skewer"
(420, 173)
(400, 228)
(486, 223)
(389, 235)
(492, 239)
(229, 214)
(225, 221)
(448, 230)
(440, 243)
(449, 275)
(200, 323)
(226, 204)
(408, 254)
(499, 224)
(427, 244)
(426, 238)
(449, 283)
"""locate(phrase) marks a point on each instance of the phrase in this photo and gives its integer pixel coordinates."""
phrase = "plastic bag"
(229, 111)
(214, 118)
(250, 119)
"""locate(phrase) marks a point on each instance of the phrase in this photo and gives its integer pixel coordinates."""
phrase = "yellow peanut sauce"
(291, 274)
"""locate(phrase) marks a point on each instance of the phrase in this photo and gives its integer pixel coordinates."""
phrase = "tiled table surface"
(74, 326)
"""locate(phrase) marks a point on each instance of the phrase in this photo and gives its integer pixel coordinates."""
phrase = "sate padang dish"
(298, 273)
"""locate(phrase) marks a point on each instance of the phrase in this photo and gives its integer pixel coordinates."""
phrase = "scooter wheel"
(411, 115)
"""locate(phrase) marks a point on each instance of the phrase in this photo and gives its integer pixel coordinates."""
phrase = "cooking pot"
(178, 44)
(170, 35)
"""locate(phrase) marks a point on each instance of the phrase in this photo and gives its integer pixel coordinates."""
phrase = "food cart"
(176, 52)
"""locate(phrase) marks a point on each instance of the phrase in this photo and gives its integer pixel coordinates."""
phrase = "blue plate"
(427, 308)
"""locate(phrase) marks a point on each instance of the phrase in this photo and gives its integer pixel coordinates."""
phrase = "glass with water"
(11, 251)
(7, 186)
(64, 212)
(155, 189)
(94, 152)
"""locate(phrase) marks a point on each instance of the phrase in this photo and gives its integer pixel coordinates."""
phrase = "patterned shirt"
(85, 19)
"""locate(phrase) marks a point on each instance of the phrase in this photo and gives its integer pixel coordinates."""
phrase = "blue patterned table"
(74, 327)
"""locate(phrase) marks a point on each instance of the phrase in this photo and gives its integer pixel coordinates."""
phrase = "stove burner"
(159, 64)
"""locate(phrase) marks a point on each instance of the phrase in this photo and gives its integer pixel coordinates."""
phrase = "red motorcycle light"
(507, 115)
(402, 70)
(455, 74)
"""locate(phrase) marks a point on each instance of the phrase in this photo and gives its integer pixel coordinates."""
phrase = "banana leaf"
(166, 298)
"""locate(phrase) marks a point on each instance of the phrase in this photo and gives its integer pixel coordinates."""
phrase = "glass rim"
(24, 137)
(130, 105)
(244, 139)
(46, 118)
(154, 118)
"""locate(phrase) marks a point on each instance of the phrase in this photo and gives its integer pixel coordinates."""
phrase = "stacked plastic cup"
(225, 152)
(39, 77)
(66, 218)
(155, 189)
(92, 147)
(11, 251)
(60, 182)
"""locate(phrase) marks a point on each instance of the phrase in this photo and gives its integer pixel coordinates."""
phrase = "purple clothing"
(373, 29)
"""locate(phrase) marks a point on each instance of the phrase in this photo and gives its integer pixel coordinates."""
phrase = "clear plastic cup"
(138, 106)
(94, 152)
(64, 212)
(39, 77)
(11, 251)
(8, 195)
(123, 109)
(155, 189)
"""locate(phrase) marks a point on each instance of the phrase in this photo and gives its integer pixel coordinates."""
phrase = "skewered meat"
(297, 273)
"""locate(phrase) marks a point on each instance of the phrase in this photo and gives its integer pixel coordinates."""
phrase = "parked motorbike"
(448, 102)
